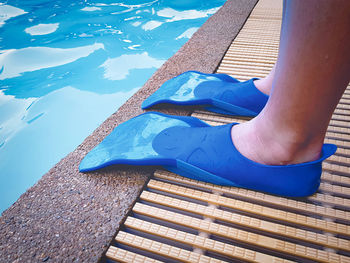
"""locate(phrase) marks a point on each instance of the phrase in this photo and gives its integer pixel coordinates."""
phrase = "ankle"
(274, 148)
(295, 152)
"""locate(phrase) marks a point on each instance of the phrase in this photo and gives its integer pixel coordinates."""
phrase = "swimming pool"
(65, 66)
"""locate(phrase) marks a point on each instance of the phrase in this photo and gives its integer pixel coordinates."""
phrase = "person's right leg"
(312, 71)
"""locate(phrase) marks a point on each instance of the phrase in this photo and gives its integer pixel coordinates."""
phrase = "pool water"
(65, 66)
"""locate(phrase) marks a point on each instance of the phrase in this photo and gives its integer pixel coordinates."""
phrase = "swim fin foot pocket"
(194, 149)
(216, 92)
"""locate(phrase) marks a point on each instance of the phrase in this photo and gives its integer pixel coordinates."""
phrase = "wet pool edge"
(69, 216)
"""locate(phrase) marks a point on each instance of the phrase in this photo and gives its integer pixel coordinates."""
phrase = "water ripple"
(17, 61)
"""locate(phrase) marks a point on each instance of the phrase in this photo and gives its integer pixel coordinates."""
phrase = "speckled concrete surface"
(68, 216)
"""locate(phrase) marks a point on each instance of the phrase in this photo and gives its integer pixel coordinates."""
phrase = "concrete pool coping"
(70, 216)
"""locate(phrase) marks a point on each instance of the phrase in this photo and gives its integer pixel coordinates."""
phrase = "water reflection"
(91, 8)
(119, 68)
(188, 33)
(151, 25)
(42, 29)
(7, 12)
(175, 15)
(17, 61)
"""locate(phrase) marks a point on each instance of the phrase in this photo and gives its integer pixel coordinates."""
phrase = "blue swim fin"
(194, 149)
(216, 92)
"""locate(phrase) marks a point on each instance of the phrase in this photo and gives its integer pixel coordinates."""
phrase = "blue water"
(65, 66)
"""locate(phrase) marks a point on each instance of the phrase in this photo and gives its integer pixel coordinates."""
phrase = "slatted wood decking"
(178, 219)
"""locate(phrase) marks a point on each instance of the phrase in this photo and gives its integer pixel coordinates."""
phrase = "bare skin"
(265, 84)
(310, 76)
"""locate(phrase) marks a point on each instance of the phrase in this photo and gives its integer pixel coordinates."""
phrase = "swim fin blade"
(131, 142)
(216, 92)
(194, 149)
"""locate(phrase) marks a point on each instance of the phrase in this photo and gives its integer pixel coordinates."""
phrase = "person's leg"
(265, 84)
(312, 71)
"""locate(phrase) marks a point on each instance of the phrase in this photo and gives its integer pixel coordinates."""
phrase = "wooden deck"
(178, 219)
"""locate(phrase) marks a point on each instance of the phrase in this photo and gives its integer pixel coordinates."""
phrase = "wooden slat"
(197, 241)
(239, 42)
(262, 68)
(263, 72)
(255, 46)
(262, 33)
(248, 207)
(247, 221)
(162, 249)
(283, 202)
(336, 178)
(272, 26)
(257, 64)
(345, 138)
(246, 60)
(268, 40)
(340, 160)
(125, 256)
(329, 199)
(335, 189)
(237, 73)
(250, 49)
(344, 124)
(335, 168)
(340, 139)
(238, 50)
(240, 235)
(343, 107)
